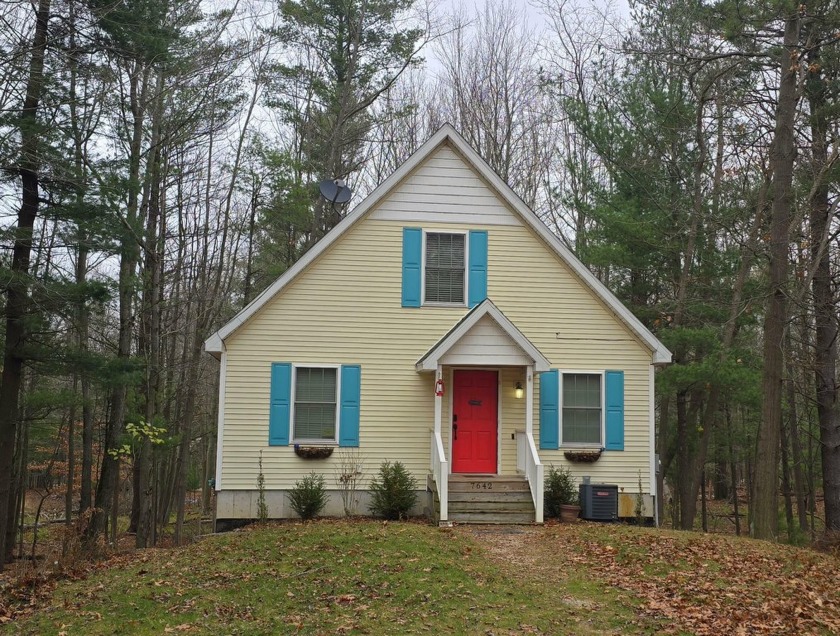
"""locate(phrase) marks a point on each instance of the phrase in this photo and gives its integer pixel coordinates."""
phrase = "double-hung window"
(445, 267)
(315, 399)
(582, 409)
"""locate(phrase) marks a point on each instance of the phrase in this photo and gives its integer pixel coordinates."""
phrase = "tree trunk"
(684, 455)
(825, 317)
(71, 459)
(786, 487)
(144, 491)
(106, 491)
(783, 151)
(721, 480)
(82, 331)
(86, 491)
(798, 477)
(20, 481)
(666, 455)
(733, 471)
(17, 291)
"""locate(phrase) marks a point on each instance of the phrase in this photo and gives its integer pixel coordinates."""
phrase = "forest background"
(159, 167)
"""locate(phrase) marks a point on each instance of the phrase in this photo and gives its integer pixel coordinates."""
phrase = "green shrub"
(309, 496)
(393, 491)
(560, 489)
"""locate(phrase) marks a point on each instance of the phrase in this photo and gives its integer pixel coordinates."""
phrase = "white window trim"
(423, 302)
(578, 445)
(309, 365)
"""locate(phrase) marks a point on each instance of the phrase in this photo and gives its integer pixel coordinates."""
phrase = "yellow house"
(443, 325)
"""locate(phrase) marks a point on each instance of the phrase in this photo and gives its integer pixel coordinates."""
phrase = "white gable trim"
(661, 355)
(431, 359)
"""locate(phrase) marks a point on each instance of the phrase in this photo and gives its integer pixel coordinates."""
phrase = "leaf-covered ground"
(329, 577)
(687, 582)
(364, 577)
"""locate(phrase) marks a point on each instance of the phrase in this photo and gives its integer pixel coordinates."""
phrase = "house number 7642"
(482, 486)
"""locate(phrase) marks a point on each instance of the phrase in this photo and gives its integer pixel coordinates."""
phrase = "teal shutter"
(280, 409)
(412, 262)
(614, 400)
(477, 267)
(549, 410)
(351, 386)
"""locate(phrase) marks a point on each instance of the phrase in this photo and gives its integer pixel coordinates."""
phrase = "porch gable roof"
(432, 358)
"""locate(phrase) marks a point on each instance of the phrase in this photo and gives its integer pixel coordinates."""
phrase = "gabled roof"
(215, 343)
(430, 361)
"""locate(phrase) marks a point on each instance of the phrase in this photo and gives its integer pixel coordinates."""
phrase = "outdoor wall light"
(518, 391)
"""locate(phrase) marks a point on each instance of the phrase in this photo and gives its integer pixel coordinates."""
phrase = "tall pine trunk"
(825, 318)
(107, 488)
(764, 524)
(17, 291)
(144, 481)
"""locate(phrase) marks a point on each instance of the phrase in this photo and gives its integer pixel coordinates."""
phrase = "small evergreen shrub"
(560, 489)
(309, 496)
(393, 491)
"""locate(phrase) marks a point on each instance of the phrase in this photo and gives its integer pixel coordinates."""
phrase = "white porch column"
(438, 401)
(529, 399)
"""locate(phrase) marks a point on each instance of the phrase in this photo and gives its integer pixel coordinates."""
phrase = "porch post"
(529, 400)
(440, 467)
(438, 401)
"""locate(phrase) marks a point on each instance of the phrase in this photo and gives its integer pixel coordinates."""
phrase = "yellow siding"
(345, 308)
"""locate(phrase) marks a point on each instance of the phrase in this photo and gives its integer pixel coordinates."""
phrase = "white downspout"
(220, 425)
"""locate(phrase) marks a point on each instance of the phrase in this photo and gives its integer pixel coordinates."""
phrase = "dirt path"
(526, 553)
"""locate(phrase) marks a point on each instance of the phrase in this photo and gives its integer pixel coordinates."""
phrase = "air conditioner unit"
(599, 502)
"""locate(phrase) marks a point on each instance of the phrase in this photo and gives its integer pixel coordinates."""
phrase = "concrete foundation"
(244, 504)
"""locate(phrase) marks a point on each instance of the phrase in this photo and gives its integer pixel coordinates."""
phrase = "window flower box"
(583, 456)
(313, 452)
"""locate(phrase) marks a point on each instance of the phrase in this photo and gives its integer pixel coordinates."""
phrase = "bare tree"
(490, 89)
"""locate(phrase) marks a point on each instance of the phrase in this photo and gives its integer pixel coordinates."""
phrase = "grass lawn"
(365, 577)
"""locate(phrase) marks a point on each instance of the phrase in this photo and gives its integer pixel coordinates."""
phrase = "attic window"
(445, 266)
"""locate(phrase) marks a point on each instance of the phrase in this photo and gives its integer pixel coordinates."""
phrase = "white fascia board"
(661, 354)
(215, 346)
(446, 131)
(430, 360)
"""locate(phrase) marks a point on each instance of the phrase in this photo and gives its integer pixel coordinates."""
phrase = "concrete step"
(461, 483)
(493, 499)
(491, 496)
(492, 517)
(491, 506)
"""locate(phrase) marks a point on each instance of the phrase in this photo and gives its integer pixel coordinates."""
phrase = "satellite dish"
(334, 191)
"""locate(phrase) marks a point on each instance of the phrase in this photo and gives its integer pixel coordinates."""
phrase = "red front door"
(474, 421)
